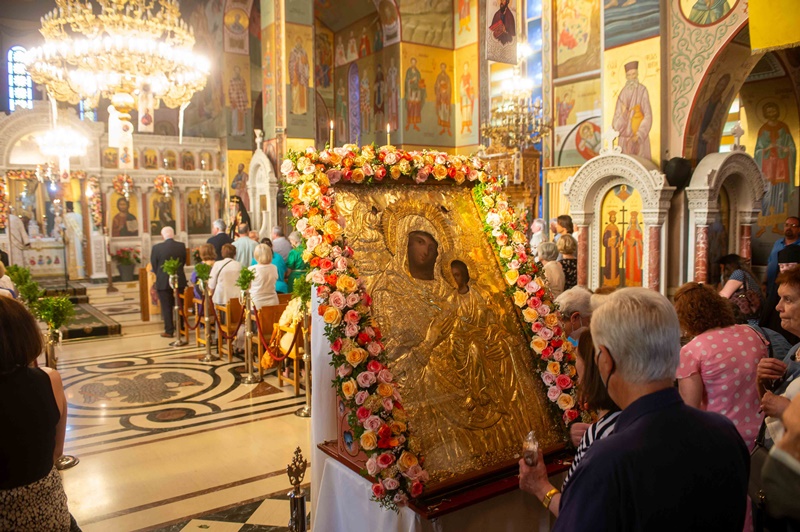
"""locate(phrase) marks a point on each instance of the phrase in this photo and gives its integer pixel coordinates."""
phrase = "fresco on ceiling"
(427, 22)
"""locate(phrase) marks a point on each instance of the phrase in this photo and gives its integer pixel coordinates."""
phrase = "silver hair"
(168, 232)
(576, 299)
(263, 254)
(219, 224)
(640, 329)
(547, 251)
(295, 237)
(277, 231)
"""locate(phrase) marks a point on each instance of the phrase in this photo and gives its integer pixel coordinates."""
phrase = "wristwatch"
(549, 497)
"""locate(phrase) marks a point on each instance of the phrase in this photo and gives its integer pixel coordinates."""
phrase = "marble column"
(745, 249)
(701, 254)
(654, 258)
(583, 255)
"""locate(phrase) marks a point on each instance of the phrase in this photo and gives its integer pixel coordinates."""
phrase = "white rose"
(302, 223)
(287, 166)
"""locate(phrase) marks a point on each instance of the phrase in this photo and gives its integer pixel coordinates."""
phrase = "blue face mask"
(573, 341)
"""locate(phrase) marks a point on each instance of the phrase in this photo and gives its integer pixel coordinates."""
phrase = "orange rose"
(358, 175)
(369, 440)
(332, 316)
(346, 284)
(385, 389)
(439, 172)
(395, 172)
(356, 356)
(349, 388)
(407, 460)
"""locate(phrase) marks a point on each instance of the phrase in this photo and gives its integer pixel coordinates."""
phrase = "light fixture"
(517, 121)
(204, 190)
(117, 50)
(61, 143)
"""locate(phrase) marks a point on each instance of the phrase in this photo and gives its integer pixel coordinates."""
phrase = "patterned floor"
(167, 442)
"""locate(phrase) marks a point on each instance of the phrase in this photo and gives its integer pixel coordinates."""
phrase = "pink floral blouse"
(726, 360)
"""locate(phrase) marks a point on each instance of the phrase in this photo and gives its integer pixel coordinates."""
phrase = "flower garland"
(3, 204)
(21, 174)
(363, 381)
(95, 201)
(530, 293)
(119, 182)
(161, 181)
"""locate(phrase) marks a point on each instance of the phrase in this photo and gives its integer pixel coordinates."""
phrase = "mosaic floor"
(167, 442)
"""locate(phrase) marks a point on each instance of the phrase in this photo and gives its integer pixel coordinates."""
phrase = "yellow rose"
(301, 163)
(428, 159)
(385, 389)
(506, 217)
(551, 320)
(554, 368)
(332, 227)
(308, 192)
(518, 237)
(439, 172)
(460, 177)
(367, 153)
(349, 388)
(358, 161)
(530, 315)
(323, 250)
(407, 460)
(506, 252)
(395, 172)
(397, 427)
(520, 298)
(456, 162)
(369, 440)
(358, 175)
(316, 221)
(511, 277)
(307, 255)
(346, 284)
(335, 158)
(488, 202)
(565, 402)
(405, 166)
(356, 356)
(538, 344)
(332, 316)
(322, 179)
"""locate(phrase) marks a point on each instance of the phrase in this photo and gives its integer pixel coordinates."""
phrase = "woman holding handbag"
(741, 287)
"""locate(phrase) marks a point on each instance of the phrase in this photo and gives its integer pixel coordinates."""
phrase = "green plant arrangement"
(28, 289)
(302, 289)
(18, 275)
(245, 279)
(55, 311)
(203, 271)
(196, 256)
(171, 266)
(127, 256)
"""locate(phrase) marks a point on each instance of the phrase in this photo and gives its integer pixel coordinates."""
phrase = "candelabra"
(517, 121)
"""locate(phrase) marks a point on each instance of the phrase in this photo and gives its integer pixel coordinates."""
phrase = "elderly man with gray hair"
(666, 466)
(219, 238)
(280, 244)
(161, 253)
(575, 307)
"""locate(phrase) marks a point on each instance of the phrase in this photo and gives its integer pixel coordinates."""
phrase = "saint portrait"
(501, 35)
(415, 95)
(299, 75)
(706, 12)
(123, 218)
(776, 155)
(621, 238)
(162, 213)
(633, 116)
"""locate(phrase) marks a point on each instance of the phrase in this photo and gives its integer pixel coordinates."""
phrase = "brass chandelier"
(517, 121)
(117, 51)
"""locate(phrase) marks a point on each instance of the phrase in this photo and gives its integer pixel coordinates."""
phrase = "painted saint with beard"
(633, 116)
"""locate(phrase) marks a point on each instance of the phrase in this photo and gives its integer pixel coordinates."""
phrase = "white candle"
(388, 134)
(330, 144)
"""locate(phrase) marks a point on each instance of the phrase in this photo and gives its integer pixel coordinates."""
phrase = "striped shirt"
(596, 431)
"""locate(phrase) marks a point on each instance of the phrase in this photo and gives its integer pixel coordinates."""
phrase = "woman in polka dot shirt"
(717, 370)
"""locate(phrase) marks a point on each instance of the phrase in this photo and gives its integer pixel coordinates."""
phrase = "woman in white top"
(548, 254)
(222, 281)
(7, 287)
(263, 288)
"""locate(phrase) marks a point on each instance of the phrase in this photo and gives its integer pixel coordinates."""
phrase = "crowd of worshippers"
(696, 404)
(276, 262)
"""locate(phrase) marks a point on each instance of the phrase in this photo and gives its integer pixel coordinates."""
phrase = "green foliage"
(28, 289)
(127, 256)
(171, 266)
(55, 311)
(18, 275)
(302, 289)
(203, 271)
(246, 276)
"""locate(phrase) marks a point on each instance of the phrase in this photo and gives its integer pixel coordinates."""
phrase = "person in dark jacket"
(219, 238)
(168, 249)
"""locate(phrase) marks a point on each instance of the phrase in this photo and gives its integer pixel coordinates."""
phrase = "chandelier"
(128, 47)
(517, 121)
(62, 142)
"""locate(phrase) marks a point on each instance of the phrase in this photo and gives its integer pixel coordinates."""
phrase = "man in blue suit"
(168, 249)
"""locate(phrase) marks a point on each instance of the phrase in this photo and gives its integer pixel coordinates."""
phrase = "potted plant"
(55, 312)
(127, 259)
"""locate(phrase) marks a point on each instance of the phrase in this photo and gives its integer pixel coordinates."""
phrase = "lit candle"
(330, 144)
(388, 134)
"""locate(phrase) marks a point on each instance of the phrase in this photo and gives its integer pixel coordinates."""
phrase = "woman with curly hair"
(718, 365)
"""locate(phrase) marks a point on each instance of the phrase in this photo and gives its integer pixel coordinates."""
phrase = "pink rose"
(378, 491)
(388, 404)
(363, 413)
(502, 239)
(548, 378)
(564, 382)
(351, 330)
(334, 176)
(391, 158)
(374, 348)
(385, 376)
(344, 370)
(337, 300)
(372, 466)
(323, 292)
(366, 379)
(308, 232)
(325, 202)
(385, 460)
(546, 334)
(361, 397)
(368, 169)
(532, 288)
(473, 175)
(400, 499)
(553, 393)
(537, 327)
(317, 277)
(543, 310)
(441, 159)
(374, 423)
(351, 316)
(558, 355)
(374, 366)
(413, 472)
(421, 176)
(313, 242)
(293, 176)
(353, 299)
(390, 484)
(336, 346)
(326, 265)
(523, 280)
(514, 264)
(341, 264)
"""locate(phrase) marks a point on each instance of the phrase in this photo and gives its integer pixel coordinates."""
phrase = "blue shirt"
(666, 467)
(772, 263)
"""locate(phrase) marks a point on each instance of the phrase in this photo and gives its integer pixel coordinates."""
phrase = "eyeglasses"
(787, 224)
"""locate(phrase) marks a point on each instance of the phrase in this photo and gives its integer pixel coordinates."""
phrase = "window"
(20, 86)
(86, 111)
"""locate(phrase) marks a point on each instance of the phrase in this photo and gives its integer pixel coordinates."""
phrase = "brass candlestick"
(296, 471)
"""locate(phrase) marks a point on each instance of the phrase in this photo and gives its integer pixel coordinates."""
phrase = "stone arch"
(586, 190)
(263, 183)
(738, 172)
